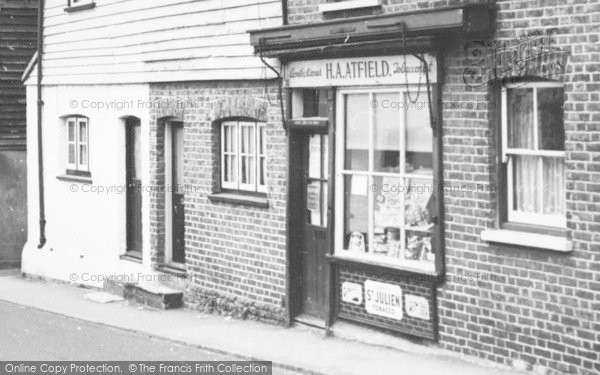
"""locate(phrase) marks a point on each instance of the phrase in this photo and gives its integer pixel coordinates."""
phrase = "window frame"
(510, 216)
(255, 127)
(78, 166)
(341, 172)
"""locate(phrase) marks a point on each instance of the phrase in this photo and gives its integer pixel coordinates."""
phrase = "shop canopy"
(415, 31)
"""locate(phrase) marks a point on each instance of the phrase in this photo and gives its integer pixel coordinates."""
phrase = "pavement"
(193, 336)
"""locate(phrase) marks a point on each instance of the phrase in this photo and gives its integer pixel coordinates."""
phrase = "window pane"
(386, 122)
(263, 171)
(356, 215)
(233, 139)
(82, 155)
(419, 137)
(178, 156)
(313, 202)
(387, 216)
(527, 184)
(550, 118)
(419, 220)
(71, 153)
(324, 193)
(71, 131)
(357, 132)
(554, 186)
(520, 118)
(314, 156)
(263, 140)
(226, 138)
(83, 131)
(315, 103)
(244, 169)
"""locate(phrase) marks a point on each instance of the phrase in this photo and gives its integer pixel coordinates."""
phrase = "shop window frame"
(338, 253)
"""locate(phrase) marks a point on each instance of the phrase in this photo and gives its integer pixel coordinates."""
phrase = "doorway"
(133, 152)
(174, 196)
(309, 192)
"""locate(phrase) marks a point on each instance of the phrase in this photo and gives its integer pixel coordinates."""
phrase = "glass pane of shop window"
(418, 219)
(419, 137)
(324, 192)
(357, 132)
(314, 156)
(386, 127)
(356, 213)
(551, 118)
(325, 156)
(387, 215)
(520, 118)
(313, 202)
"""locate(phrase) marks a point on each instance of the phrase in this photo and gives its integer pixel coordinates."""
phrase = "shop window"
(77, 129)
(533, 143)
(243, 156)
(385, 200)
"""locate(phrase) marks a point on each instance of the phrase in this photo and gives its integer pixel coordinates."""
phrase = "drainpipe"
(284, 11)
(40, 105)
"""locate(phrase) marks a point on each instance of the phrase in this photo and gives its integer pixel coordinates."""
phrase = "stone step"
(152, 295)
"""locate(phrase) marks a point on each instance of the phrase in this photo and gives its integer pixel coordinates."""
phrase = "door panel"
(134, 187)
(178, 225)
(314, 244)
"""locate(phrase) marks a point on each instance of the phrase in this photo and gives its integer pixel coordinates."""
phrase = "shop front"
(365, 214)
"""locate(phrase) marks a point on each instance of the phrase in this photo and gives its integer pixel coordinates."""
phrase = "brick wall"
(535, 309)
(235, 254)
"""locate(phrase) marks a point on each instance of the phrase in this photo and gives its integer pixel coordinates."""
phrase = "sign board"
(307, 122)
(352, 293)
(361, 71)
(383, 299)
(417, 307)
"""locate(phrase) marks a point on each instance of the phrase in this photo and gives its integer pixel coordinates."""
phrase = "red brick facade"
(527, 308)
(235, 254)
(517, 306)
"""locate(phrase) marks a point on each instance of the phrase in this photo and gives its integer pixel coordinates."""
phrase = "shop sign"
(355, 71)
(383, 299)
(352, 293)
(417, 307)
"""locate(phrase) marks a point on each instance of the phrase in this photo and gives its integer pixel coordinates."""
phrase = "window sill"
(73, 178)
(131, 257)
(80, 7)
(240, 198)
(526, 239)
(415, 267)
(349, 4)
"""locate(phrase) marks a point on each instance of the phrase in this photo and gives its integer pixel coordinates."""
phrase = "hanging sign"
(361, 71)
(383, 299)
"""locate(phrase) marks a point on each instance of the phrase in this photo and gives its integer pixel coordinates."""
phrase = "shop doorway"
(133, 152)
(310, 184)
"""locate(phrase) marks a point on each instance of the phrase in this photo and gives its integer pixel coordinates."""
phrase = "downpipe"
(40, 106)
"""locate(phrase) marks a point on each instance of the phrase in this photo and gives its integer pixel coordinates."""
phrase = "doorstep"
(293, 349)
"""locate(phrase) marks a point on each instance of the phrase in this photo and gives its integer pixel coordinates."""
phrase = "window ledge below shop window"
(240, 198)
(73, 178)
(363, 261)
(80, 7)
(348, 4)
(526, 239)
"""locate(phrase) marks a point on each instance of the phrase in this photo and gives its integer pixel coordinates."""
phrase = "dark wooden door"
(178, 244)
(314, 244)
(134, 187)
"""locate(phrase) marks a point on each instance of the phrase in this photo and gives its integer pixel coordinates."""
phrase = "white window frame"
(236, 152)
(558, 221)
(402, 175)
(78, 166)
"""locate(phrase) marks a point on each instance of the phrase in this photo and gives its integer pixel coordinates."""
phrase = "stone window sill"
(73, 178)
(348, 4)
(240, 198)
(526, 239)
(172, 270)
(77, 8)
